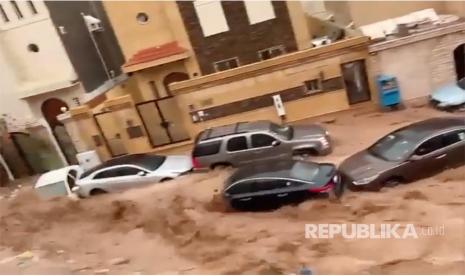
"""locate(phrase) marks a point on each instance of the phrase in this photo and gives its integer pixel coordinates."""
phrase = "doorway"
(51, 108)
(163, 121)
(459, 60)
(356, 81)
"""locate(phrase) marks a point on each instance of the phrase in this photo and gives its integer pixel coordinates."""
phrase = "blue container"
(388, 89)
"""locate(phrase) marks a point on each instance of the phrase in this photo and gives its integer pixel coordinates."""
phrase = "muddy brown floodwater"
(182, 227)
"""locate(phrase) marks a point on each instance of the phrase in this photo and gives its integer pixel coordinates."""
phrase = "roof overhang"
(153, 63)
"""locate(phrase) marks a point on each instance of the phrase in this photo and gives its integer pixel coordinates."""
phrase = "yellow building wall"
(267, 83)
(156, 74)
(132, 35)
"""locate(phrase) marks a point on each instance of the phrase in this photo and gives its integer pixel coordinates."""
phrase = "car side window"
(208, 148)
(262, 140)
(453, 137)
(117, 172)
(239, 188)
(237, 143)
(429, 146)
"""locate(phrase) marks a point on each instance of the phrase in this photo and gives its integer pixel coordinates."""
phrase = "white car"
(117, 174)
(131, 171)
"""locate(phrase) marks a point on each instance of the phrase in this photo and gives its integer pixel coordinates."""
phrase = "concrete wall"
(366, 12)
(30, 73)
(425, 64)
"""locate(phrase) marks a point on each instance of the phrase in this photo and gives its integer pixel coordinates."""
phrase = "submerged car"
(450, 96)
(409, 153)
(131, 171)
(274, 183)
(117, 174)
(242, 143)
(58, 182)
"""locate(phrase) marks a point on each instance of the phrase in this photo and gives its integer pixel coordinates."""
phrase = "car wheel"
(392, 181)
(95, 192)
(220, 166)
(166, 179)
(305, 153)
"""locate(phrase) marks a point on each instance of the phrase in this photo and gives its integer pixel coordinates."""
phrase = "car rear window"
(208, 148)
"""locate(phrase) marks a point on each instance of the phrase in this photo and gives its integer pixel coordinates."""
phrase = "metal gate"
(111, 132)
(162, 121)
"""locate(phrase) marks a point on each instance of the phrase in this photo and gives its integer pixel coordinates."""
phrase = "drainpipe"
(7, 169)
(99, 53)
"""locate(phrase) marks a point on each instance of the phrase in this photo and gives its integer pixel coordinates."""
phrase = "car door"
(121, 178)
(454, 143)
(429, 158)
(237, 150)
(265, 147)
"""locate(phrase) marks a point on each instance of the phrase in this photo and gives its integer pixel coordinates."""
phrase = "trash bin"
(388, 89)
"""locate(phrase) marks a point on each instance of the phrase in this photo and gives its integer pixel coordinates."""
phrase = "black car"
(409, 153)
(274, 183)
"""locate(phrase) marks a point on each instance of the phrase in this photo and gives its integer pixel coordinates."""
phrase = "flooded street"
(182, 227)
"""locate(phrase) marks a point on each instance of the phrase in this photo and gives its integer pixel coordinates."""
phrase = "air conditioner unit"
(93, 24)
(88, 159)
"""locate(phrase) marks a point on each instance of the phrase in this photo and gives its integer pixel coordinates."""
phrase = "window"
(259, 11)
(117, 172)
(211, 17)
(208, 148)
(429, 146)
(313, 85)
(142, 18)
(271, 52)
(453, 137)
(269, 184)
(237, 143)
(4, 15)
(226, 64)
(18, 12)
(262, 140)
(33, 48)
(240, 188)
(32, 7)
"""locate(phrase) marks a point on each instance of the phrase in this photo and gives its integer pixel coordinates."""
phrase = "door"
(163, 121)
(51, 108)
(356, 81)
(265, 147)
(121, 178)
(237, 150)
(454, 142)
(111, 132)
(429, 158)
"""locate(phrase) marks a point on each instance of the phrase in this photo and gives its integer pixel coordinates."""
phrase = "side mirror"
(75, 189)
(275, 143)
(141, 173)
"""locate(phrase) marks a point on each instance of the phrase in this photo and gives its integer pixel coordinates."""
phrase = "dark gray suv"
(242, 143)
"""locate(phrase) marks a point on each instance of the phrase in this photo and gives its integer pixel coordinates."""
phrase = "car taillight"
(323, 189)
(195, 163)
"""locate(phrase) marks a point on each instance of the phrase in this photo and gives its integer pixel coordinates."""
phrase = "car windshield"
(393, 147)
(284, 131)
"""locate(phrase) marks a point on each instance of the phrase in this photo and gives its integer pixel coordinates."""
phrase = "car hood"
(363, 164)
(449, 95)
(307, 131)
(176, 164)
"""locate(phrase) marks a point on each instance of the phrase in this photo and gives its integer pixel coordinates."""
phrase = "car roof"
(422, 129)
(269, 169)
(143, 160)
(236, 128)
